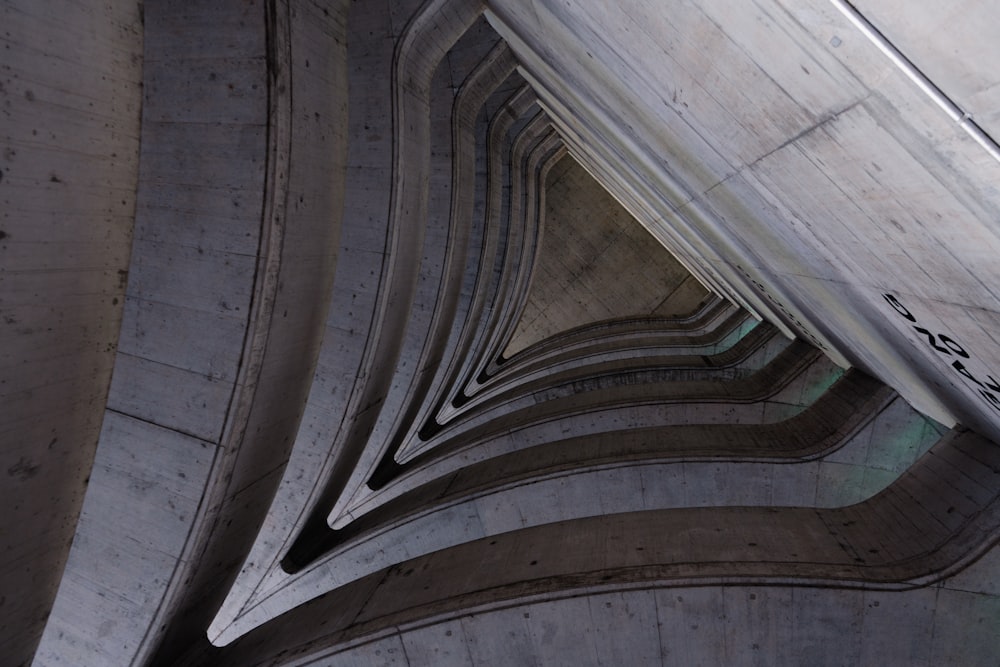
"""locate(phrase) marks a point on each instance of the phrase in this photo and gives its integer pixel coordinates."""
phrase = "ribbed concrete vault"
(596, 262)
(499, 333)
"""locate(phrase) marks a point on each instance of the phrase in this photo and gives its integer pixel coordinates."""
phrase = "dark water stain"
(24, 469)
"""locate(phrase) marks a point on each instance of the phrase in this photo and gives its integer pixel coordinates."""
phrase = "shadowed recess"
(596, 262)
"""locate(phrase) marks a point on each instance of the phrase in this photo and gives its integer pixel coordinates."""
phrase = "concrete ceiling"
(596, 262)
(290, 376)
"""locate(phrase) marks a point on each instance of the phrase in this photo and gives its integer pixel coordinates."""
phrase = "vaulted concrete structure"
(503, 332)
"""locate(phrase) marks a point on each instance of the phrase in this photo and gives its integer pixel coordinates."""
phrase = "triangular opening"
(596, 262)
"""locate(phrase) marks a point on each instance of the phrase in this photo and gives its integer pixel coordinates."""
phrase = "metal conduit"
(955, 112)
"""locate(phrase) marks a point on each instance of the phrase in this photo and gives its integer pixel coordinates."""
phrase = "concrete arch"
(271, 259)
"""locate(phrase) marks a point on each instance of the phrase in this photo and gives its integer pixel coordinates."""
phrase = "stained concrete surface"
(597, 263)
(311, 447)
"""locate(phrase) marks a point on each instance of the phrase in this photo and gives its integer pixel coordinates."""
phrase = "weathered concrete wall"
(240, 198)
(952, 45)
(70, 101)
(310, 450)
(893, 542)
(781, 145)
(381, 251)
(198, 227)
(704, 625)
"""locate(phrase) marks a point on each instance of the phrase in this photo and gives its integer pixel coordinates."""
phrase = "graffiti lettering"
(952, 346)
(946, 346)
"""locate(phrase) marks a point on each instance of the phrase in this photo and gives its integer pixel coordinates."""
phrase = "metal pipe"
(955, 112)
